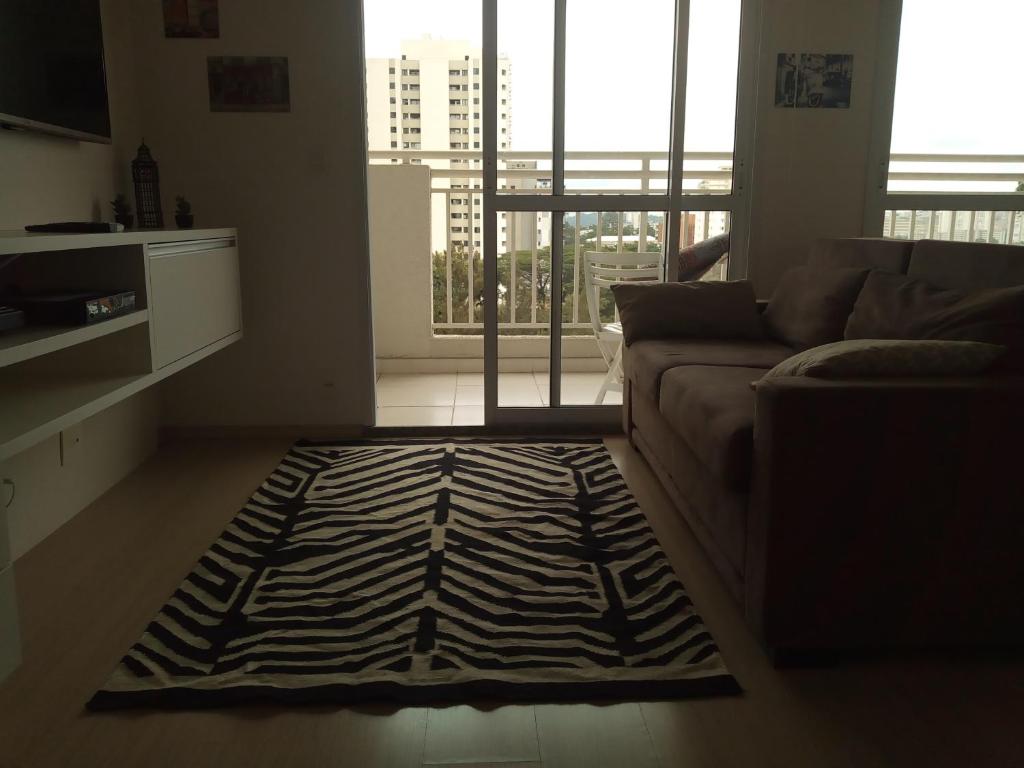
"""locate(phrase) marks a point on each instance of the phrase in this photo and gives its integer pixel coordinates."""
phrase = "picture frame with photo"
(814, 80)
(191, 18)
(248, 84)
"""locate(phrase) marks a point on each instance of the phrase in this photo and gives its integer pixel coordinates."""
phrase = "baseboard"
(476, 365)
(257, 431)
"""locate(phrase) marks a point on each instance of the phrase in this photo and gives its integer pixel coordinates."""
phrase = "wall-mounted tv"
(52, 76)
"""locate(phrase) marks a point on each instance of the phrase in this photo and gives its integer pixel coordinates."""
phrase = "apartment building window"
(950, 167)
(394, 115)
(394, 129)
(392, 100)
(476, 145)
(394, 145)
(391, 70)
(476, 86)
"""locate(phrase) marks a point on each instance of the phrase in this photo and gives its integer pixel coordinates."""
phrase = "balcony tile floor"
(457, 399)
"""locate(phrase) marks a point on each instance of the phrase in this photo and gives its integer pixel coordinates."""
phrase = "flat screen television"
(52, 77)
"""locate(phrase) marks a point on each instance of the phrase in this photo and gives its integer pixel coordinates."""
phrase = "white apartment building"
(430, 99)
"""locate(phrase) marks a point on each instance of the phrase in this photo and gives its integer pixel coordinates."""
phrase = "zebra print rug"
(422, 571)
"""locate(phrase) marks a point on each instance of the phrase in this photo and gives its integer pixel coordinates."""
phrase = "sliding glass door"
(614, 135)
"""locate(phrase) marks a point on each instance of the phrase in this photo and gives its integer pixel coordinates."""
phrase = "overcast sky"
(958, 88)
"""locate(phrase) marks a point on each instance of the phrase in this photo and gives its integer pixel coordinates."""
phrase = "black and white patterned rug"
(428, 570)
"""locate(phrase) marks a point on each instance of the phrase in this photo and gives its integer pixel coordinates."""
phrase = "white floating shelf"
(33, 341)
(32, 409)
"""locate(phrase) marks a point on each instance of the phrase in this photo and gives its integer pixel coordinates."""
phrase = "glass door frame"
(558, 203)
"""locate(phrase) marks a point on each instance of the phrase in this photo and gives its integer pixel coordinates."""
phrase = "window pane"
(618, 93)
(712, 62)
(953, 97)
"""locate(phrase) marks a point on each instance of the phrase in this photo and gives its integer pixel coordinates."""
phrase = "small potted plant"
(122, 211)
(183, 213)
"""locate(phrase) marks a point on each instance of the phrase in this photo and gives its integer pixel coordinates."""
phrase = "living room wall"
(810, 165)
(294, 185)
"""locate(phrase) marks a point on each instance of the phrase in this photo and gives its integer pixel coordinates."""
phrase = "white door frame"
(557, 203)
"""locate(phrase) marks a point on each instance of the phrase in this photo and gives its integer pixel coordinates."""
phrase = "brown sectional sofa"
(847, 513)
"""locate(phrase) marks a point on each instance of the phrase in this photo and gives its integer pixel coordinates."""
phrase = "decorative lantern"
(146, 175)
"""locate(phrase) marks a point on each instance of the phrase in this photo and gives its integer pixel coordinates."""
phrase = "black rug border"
(505, 440)
(478, 691)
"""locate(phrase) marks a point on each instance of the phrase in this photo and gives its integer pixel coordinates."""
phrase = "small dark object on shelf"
(122, 211)
(75, 227)
(11, 318)
(146, 175)
(183, 216)
(75, 308)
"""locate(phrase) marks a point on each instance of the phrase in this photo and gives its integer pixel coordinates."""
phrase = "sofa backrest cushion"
(967, 266)
(869, 358)
(705, 310)
(811, 305)
(901, 307)
(862, 252)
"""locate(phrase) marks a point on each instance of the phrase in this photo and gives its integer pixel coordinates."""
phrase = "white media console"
(188, 306)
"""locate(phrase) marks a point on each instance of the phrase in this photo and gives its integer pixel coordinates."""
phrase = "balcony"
(426, 230)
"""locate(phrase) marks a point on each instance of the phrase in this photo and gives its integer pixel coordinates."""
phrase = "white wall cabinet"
(195, 300)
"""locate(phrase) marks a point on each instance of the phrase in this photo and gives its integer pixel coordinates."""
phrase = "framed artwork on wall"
(191, 18)
(814, 80)
(248, 84)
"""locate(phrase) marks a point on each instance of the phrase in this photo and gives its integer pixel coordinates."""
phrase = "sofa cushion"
(811, 305)
(900, 307)
(647, 361)
(708, 310)
(886, 358)
(967, 266)
(712, 409)
(862, 252)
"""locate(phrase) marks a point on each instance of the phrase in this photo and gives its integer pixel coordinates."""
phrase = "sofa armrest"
(886, 512)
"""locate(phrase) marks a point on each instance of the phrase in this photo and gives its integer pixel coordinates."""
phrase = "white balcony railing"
(967, 197)
(524, 279)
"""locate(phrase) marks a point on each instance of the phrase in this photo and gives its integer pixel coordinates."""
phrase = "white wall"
(400, 256)
(294, 185)
(810, 165)
(48, 494)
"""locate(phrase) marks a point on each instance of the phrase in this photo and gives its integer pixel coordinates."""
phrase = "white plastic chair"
(603, 270)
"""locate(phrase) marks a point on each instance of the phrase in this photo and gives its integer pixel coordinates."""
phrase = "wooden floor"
(88, 591)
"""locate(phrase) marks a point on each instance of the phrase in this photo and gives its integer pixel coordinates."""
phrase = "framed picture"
(191, 18)
(814, 80)
(248, 83)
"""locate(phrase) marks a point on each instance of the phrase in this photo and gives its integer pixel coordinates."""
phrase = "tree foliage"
(525, 277)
